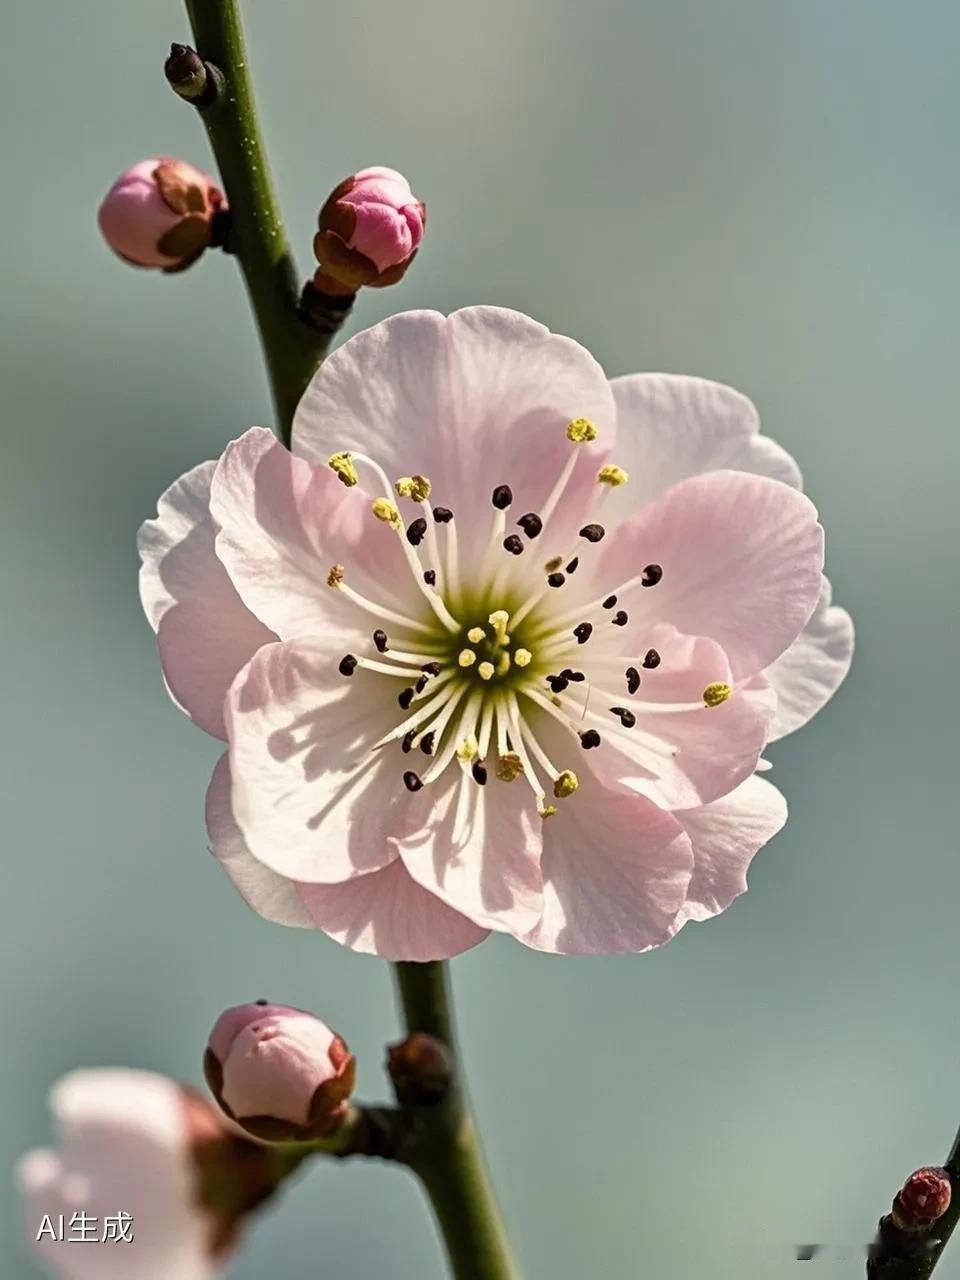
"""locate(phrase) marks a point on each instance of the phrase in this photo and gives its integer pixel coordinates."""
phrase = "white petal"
(813, 668)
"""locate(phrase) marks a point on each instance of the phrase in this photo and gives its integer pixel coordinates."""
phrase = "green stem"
(443, 1148)
(291, 346)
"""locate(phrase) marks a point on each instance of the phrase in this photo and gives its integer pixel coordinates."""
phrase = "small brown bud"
(186, 73)
(923, 1198)
(421, 1068)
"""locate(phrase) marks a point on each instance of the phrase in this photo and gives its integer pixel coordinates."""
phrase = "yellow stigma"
(335, 576)
(581, 431)
(475, 635)
(545, 810)
(498, 620)
(509, 767)
(716, 693)
(566, 784)
(612, 474)
(415, 487)
(466, 658)
(386, 512)
(503, 663)
(486, 671)
(523, 657)
(345, 467)
(468, 750)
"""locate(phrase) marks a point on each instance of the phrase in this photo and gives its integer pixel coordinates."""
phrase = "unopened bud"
(923, 1198)
(186, 73)
(279, 1073)
(160, 213)
(370, 229)
(421, 1068)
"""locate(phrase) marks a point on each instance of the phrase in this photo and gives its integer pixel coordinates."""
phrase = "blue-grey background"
(762, 191)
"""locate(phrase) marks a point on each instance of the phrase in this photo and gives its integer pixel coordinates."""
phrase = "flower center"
(499, 658)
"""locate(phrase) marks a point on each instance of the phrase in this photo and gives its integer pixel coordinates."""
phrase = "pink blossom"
(159, 213)
(498, 645)
(280, 1073)
(370, 228)
(126, 1145)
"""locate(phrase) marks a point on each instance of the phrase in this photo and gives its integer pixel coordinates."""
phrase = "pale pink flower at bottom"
(125, 1147)
(498, 646)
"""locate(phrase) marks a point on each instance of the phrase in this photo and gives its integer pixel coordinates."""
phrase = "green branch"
(294, 341)
(443, 1148)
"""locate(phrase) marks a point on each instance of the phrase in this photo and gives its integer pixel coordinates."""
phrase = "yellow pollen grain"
(386, 512)
(581, 431)
(475, 635)
(523, 657)
(335, 576)
(546, 810)
(509, 767)
(466, 658)
(345, 467)
(566, 784)
(468, 750)
(415, 487)
(486, 671)
(716, 693)
(612, 474)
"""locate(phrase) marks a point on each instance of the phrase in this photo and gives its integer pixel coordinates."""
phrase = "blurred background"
(761, 191)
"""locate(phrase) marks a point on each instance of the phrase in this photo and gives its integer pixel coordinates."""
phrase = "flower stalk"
(442, 1146)
(293, 345)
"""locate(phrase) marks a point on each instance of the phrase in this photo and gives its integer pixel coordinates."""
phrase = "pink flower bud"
(159, 213)
(280, 1073)
(923, 1198)
(370, 230)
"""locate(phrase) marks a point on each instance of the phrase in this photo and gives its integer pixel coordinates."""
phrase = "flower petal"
(725, 836)
(271, 895)
(472, 400)
(311, 798)
(615, 872)
(478, 849)
(681, 759)
(671, 427)
(386, 913)
(813, 668)
(205, 633)
(741, 558)
(283, 523)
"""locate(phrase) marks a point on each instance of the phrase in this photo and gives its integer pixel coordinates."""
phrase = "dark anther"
(572, 566)
(592, 532)
(416, 530)
(421, 684)
(479, 771)
(531, 524)
(405, 697)
(380, 640)
(575, 676)
(589, 739)
(627, 718)
(502, 497)
(633, 679)
(263, 1003)
(583, 631)
(557, 683)
(406, 743)
(348, 665)
(652, 574)
(556, 580)
(514, 544)
(651, 659)
(620, 619)
(412, 781)
(442, 515)
(430, 577)
(610, 602)
(426, 743)
(431, 668)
